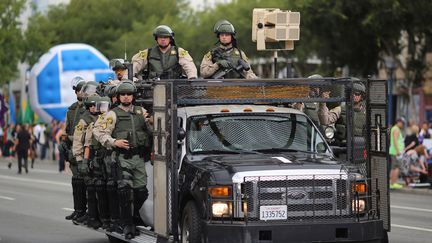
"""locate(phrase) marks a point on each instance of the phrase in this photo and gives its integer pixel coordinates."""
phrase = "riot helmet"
(110, 90)
(164, 31)
(126, 87)
(359, 87)
(91, 100)
(314, 91)
(77, 83)
(224, 26)
(89, 88)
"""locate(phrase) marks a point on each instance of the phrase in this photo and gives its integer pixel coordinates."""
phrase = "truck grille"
(305, 197)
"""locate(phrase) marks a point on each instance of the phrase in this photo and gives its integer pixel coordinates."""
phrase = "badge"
(79, 127)
(104, 125)
(173, 52)
(237, 52)
(139, 112)
(109, 120)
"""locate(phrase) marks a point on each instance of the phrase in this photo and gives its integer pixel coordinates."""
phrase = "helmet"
(77, 83)
(91, 100)
(163, 31)
(126, 86)
(117, 64)
(359, 87)
(224, 26)
(103, 104)
(110, 90)
(89, 88)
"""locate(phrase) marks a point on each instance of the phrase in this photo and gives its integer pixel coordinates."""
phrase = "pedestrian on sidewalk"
(22, 147)
(60, 131)
(397, 149)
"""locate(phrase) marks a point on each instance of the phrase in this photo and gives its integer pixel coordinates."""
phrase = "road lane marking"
(35, 180)
(7, 198)
(68, 209)
(413, 209)
(411, 227)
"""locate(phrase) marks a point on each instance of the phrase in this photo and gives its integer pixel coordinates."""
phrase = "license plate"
(273, 212)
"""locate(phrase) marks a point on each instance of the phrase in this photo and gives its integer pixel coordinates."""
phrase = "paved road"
(33, 206)
(411, 217)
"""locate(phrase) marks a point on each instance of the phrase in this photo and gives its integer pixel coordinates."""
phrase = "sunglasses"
(357, 93)
(124, 94)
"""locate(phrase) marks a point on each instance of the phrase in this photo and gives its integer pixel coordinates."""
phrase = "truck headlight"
(220, 209)
(329, 132)
(358, 206)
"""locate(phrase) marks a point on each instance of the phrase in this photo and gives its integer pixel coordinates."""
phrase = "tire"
(112, 239)
(191, 224)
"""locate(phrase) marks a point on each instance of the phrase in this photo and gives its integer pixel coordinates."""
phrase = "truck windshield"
(261, 132)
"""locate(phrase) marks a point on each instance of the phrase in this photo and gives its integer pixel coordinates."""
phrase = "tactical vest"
(73, 116)
(163, 65)
(131, 126)
(233, 55)
(359, 120)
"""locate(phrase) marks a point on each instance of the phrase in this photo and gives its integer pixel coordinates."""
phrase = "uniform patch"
(183, 53)
(143, 54)
(104, 125)
(139, 112)
(109, 120)
(173, 52)
(208, 55)
(237, 52)
(80, 127)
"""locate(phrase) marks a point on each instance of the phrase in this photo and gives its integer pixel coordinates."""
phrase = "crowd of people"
(410, 152)
(24, 143)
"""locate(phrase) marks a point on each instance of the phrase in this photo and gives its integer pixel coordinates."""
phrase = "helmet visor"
(103, 106)
(88, 90)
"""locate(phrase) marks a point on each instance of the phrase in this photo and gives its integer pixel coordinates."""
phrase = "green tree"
(11, 45)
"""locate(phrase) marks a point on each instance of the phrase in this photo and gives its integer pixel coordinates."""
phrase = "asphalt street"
(33, 206)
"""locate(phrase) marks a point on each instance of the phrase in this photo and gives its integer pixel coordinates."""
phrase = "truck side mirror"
(181, 134)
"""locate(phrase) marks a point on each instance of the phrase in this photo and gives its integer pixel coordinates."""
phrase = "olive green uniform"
(209, 65)
(172, 64)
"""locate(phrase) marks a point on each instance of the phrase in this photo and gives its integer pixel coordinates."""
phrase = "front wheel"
(191, 224)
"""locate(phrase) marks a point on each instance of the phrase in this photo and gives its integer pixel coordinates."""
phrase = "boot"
(114, 208)
(126, 212)
(102, 203)
(140, 196)
(75, 200)
(81, 216)
(93, 219)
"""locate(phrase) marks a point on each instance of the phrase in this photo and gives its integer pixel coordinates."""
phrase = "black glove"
(83, 166)
(63, 148)
(224, 64)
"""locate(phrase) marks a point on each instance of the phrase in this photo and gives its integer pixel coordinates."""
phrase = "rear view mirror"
(320, 147)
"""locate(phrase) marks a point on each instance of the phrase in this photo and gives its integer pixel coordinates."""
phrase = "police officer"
(93, 165)
(73, 115)
(82, 155)
(227, 59)
(165, 60)
(120, 69)
(125, 130)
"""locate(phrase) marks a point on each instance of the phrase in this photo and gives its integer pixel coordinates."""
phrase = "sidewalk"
(46, 164)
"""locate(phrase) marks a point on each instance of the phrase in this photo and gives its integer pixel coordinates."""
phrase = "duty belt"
(128, 153)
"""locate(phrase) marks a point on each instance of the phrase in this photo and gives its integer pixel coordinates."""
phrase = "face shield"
(102, 106)
(88, 90)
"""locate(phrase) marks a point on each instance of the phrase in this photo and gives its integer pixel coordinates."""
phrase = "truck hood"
(226, 168)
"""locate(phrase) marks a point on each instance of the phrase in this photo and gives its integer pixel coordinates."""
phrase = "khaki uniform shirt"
(79, 140)
(326, 116)
(139, 62)
(105, 124)
(208, 67)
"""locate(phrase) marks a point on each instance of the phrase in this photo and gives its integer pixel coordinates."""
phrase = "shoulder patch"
(173, 52)
(143, 54)
(183, 53)
(109, 120)
(208, 55)
(236, 52)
